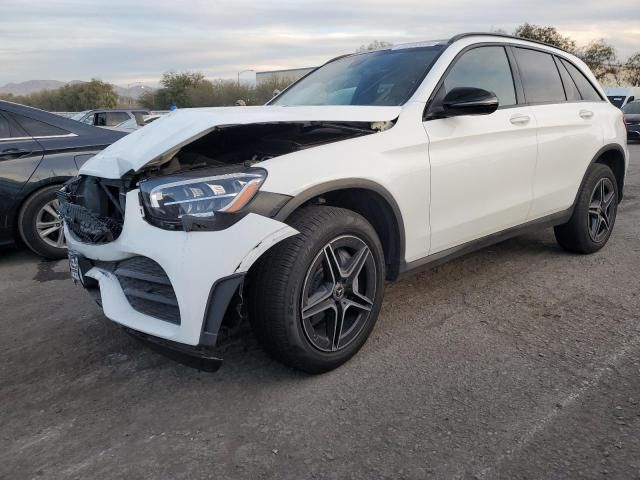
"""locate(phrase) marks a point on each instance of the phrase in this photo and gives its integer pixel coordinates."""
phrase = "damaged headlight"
(173, 198)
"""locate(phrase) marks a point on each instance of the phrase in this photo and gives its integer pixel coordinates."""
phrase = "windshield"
(380, 78)
(632, 108)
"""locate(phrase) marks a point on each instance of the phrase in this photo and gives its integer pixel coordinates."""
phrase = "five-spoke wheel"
(338, 292)
(594, 212)
(315, 297)
(601, 209)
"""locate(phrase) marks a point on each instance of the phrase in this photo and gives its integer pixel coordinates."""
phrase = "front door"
(482, 166)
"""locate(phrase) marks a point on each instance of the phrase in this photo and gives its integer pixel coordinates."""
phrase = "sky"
(128, 41)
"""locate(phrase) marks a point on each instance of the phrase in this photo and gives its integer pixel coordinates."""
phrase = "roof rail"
(460, 36)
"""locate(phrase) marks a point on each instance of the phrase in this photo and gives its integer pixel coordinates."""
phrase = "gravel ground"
(518, 361)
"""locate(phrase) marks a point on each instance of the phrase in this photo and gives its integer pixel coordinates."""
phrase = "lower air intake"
(148, 288)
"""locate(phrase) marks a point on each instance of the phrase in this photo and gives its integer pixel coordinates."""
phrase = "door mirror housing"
(469, 101)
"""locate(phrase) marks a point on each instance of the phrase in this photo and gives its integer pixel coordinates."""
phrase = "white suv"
(295, 213)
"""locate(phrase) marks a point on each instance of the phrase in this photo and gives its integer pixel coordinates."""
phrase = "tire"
(289, 281)
(39, 209)
(593, 218)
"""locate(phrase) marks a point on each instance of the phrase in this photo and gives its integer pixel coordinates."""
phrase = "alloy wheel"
(338, 293)
(49, 225)
(601, 210)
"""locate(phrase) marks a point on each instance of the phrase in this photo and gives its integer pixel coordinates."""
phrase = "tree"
(546, 34)
(264, 89)
(71, 97)
(632, 70)
(375, 45)
(600, 57)
(175, 86)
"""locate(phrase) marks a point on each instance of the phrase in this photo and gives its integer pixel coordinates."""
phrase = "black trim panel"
(345, 184)
(200, 357)
(607, 148)
(439, 258)
(219, 297)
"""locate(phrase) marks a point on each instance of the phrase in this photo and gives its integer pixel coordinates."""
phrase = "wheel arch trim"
(610, 147)
(335, 186)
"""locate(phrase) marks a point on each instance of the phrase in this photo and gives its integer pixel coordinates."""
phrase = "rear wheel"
(315, 297)
(40, 225)
(594, 214)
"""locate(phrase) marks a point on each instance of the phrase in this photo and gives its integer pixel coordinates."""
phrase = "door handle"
(520, 119)
(10, 153)
(586, 113)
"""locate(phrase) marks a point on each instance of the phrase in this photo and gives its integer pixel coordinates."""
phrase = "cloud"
(126, 41)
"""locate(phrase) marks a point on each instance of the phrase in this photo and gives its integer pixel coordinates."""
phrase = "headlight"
(169, 199)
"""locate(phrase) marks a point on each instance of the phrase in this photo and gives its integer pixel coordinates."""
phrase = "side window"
(115, 118)
(101, 119)
(36, 128)
(484, 67)
(587, 90)
(4, 128)
(631, 99)
(570, 87)
(540, 76)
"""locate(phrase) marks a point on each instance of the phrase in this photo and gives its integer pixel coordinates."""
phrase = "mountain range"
(32, 86)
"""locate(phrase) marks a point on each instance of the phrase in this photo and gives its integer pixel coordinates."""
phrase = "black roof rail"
(460, 36)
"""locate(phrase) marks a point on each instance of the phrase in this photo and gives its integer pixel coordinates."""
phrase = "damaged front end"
(93, 208)
(170, 242)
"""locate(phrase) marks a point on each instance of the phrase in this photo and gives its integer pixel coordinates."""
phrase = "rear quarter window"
(570, 87)
(4, 128)
(36, 128)
(587, 90)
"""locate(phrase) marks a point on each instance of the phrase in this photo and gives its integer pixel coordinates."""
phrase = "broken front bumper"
(174, 285)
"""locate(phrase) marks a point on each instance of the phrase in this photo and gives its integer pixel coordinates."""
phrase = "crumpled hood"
(161, 140)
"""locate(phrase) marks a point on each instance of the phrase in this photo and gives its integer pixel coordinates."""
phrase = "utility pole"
(240, 73)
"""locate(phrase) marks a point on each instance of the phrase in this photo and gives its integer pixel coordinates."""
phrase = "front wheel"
(315, 297)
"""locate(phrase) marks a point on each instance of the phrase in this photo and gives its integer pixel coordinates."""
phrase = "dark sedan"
(39, 151)
(632, 120)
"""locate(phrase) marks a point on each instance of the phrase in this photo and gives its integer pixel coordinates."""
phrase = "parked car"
(375, 165)
(631, 113)
(133, 124)
(620, 96)
(110, 117)
(39, 151)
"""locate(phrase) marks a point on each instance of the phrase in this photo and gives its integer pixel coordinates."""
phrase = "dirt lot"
(519, 361)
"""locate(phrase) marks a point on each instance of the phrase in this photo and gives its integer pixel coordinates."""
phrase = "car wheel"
(40, 226)
(594, 214)
(315, 297)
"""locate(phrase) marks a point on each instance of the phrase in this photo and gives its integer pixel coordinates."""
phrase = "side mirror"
(469, 101)
(276, 92)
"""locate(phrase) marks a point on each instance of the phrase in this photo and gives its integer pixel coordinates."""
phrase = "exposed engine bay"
(93, 208)
(250, 144)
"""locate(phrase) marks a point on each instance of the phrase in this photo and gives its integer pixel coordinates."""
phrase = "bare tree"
(546, 34)
(375, 45)
(600, 56)
(632, 70)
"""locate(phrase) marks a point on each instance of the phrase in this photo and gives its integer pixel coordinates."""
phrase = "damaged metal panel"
(247, 145)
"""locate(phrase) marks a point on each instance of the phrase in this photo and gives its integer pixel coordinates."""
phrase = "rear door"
(482, 166)
(569, 133)
(19, 157)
